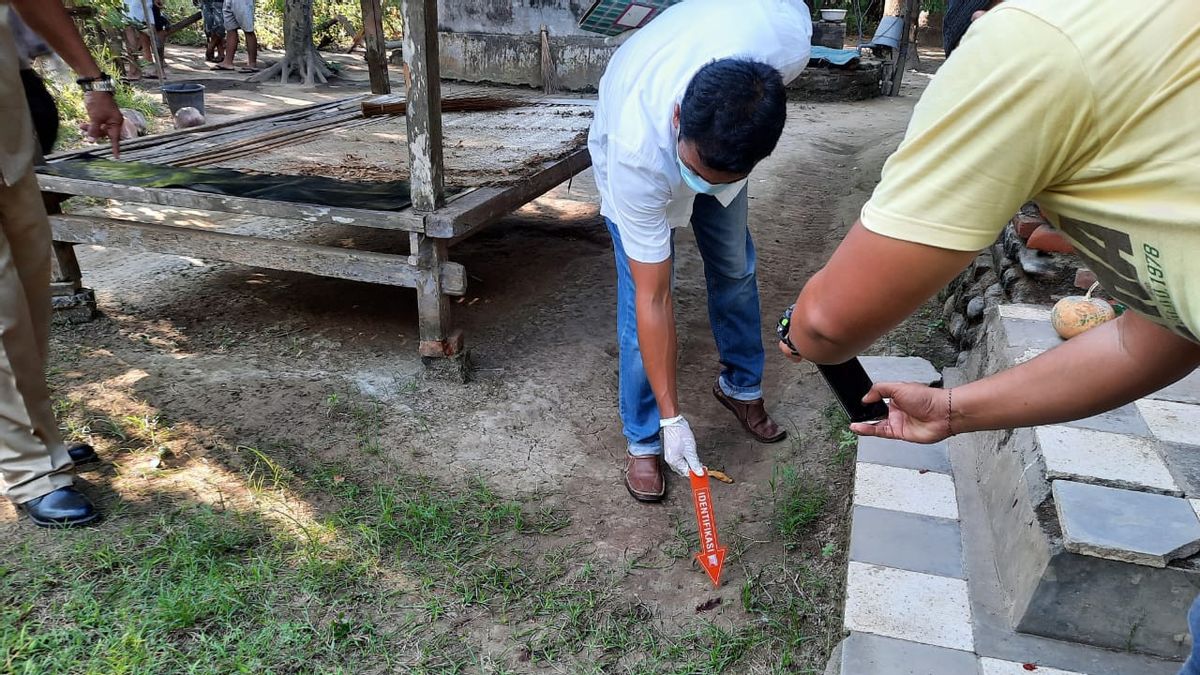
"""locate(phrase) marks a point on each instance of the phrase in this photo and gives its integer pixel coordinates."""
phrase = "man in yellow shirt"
(1091, 109)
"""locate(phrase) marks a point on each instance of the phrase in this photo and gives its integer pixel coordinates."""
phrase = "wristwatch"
(101, 82)
(783, 327)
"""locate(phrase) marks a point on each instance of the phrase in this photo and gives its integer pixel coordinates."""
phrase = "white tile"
(910, 606)
(1172, 422)
(1120, 460)
(889, 487)
(1028, 355)
(1026, 312)
(989, 666)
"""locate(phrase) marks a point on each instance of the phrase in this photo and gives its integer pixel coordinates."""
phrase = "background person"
(213, 14)
(239, 15)
(688, 106)
(137, 37)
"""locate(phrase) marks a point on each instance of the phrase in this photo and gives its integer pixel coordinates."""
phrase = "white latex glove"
(679, 447)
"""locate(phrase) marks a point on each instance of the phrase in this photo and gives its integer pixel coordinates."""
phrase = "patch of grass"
(845, 441)
(368, 422)
(799, 500)
(395, 576)
(186, 590)
(365, 418)
(134, 433)
(264, 473)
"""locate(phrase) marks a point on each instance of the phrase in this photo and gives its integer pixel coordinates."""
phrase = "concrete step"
(1095, 538)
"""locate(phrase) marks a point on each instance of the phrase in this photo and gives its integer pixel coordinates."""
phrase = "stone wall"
(517, 59)
(824, 83)
(499, 41)
(512, 17)
(1029, 263)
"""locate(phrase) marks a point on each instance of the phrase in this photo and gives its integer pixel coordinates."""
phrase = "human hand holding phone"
(916, 413)
(851, 384)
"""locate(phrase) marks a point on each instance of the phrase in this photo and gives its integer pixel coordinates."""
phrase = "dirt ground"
(197, 371)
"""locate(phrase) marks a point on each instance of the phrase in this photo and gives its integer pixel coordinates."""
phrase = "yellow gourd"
(1075, 314)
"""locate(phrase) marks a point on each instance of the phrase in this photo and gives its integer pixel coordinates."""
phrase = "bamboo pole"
(148, 15)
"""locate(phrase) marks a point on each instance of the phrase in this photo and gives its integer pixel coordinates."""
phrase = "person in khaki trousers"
(36, 471)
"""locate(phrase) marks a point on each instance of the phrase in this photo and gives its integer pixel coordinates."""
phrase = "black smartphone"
(850, 383)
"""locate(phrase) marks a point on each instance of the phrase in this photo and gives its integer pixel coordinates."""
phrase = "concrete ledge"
(1048, 590)
(837, 84)
(517, 59)
(580, 61)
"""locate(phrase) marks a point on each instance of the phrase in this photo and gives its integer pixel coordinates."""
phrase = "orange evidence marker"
(712, 554)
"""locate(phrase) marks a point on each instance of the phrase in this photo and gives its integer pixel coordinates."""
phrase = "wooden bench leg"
(64, 268)
(71, 301)
(438, 339)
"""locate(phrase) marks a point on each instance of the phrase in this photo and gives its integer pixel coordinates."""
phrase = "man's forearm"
(868, 287)
(807, 332)
(48, 19)
(659, 346)
(1097, 371)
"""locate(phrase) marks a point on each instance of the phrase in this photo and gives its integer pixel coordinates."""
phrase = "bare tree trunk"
(299, 56)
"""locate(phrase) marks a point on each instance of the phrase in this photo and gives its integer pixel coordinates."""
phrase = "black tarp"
(377, 196)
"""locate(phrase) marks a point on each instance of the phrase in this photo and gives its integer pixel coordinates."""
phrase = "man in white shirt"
(688, 106)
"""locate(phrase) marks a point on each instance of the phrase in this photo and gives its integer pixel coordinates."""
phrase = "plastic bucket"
(888, 34)
(182, 95)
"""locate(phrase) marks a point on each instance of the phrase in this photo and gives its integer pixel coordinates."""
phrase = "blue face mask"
(694, 181)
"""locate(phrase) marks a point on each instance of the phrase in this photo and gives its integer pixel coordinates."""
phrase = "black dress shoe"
(82, 453)
(65, 507)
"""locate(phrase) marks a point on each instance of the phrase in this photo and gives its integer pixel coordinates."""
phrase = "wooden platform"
(523, 152)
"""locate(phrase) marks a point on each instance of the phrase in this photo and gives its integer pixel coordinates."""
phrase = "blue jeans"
(1192, 667)
(723, 237)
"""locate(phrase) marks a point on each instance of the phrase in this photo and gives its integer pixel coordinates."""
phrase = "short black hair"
(958, 19)
(734, 111)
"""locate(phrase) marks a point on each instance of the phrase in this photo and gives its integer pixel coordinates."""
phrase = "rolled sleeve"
(638, 198)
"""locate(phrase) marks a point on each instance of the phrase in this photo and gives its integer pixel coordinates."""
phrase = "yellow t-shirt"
(1092, 109)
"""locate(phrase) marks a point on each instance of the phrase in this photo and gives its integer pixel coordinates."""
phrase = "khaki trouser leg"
(33, 460)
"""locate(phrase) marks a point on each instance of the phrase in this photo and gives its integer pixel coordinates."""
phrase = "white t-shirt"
(633, 139)
(135, 11)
